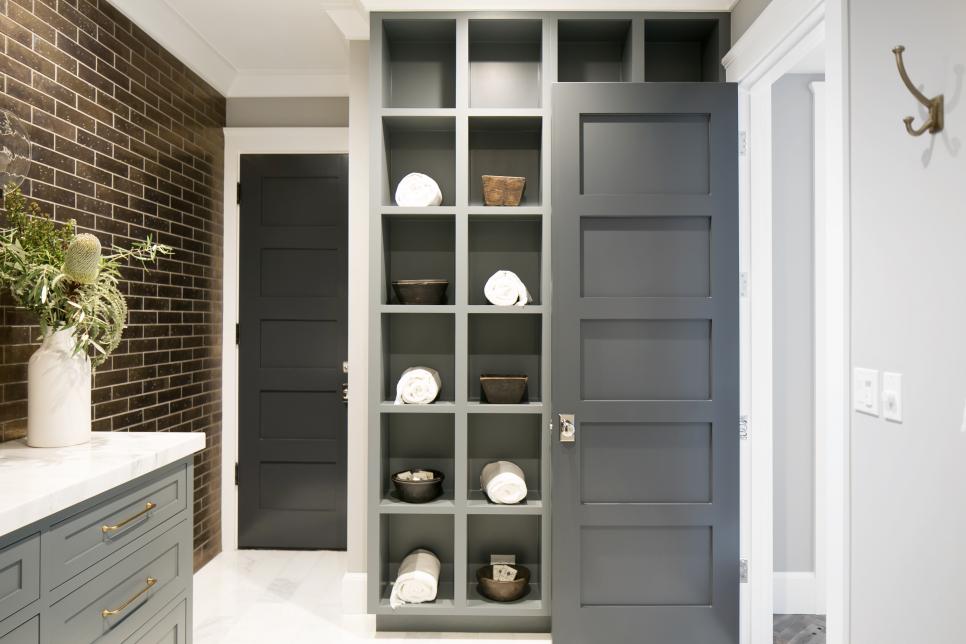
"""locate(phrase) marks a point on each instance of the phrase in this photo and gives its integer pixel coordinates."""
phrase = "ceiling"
(299, 47)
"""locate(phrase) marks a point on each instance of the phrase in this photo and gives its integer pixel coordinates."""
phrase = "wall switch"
(892, 396)
(865, 390)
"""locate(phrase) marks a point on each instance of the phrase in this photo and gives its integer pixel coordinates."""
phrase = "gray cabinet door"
(293, 309)
(645, 354)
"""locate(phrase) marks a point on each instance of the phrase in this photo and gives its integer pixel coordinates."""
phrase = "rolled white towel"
(503, 482)
(504, 288)
(417, 580)
(418, 386)
(418, 190)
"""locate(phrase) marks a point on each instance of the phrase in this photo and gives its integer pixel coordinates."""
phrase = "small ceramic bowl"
(503, 591)
(503, 390)
(421, 291)
(419, 491)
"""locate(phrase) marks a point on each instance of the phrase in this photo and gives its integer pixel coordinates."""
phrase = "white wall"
(908, 499)
(794, 324)
(743, 14)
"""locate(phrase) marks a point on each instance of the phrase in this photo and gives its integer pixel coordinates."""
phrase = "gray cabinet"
(114, 569)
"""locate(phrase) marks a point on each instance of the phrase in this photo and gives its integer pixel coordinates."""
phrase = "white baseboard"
(354, 593)
(796, 593)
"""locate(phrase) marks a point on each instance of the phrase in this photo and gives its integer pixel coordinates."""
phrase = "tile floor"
(291, 596)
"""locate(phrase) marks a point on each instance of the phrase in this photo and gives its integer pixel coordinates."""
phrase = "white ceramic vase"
(58, 393)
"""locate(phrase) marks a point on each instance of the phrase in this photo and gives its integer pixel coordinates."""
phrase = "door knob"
(568, 430)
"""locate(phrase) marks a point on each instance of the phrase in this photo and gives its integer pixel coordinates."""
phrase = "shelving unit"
(456, 96)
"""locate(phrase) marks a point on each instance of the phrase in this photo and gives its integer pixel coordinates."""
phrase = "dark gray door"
(645, 355)
(292, 341)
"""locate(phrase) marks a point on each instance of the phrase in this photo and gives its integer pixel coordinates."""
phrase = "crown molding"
(259, 83)
(548, 5)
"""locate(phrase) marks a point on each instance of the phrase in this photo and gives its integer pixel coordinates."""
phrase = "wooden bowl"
(503, 191)
(419, 491)
(421, 291)
(503, 591)
(504, 390)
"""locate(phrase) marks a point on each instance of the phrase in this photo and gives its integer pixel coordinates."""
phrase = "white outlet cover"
(892, 396)
(865, 391)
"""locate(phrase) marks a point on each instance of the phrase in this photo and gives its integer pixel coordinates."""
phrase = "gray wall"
(794, 313)
(908, 230)
(743, 14)
(326, 111)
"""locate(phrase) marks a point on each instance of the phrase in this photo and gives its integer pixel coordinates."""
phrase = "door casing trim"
(784, 32)
(259, 140)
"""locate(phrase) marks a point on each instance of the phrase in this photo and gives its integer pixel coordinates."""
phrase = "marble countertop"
(38, 482)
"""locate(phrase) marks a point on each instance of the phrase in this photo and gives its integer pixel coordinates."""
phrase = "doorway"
(292, 344)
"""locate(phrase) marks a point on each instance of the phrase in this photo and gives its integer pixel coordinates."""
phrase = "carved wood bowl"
(419, 491)
(504, 390)
(503, 591)
(421, 291)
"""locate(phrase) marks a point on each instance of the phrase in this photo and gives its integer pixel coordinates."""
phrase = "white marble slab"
(38, 482)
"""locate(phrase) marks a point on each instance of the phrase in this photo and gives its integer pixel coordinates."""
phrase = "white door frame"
(783, 34)
(258, 140)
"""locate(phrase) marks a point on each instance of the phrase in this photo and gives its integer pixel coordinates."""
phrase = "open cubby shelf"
(418, 247)
(419, 63)
(456, 96)
(506, 146)
(505, 62)
(425, 144)
(594, 50)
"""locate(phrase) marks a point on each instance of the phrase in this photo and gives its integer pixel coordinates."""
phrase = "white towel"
(504, 288)
(503, 482)
(418, 386)
(418, 190)
(417, 580)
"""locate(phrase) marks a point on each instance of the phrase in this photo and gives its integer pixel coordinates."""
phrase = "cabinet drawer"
(133, 590)
(78, 542)
(19, 575)
(172, 628)
(26, 633)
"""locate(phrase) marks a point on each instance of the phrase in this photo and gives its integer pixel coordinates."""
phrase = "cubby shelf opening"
(504, 243)
(503, 535)
(505, 63)
(596, 51)
(419, 63)
(504, 437)
(504, 345)
(411, 441)
(421, 340)
(400, 534)
(425, 144)
(416, 247)
(682, 50)
(505, 146)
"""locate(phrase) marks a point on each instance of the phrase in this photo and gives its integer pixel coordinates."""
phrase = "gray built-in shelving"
(455, 96)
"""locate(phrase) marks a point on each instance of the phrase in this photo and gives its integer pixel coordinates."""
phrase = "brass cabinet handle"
(110, 613)
(117, 526)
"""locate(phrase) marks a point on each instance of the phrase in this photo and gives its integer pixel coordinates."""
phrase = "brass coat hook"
(935, 106)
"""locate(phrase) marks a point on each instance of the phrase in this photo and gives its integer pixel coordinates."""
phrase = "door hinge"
(743, 571)
(742, 143)
(236, 473)
(238, 193)
(743, 284)
(237, 333)
(744, 428)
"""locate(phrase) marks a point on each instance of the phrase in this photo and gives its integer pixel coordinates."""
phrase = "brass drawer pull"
(117, 526)
(111, 613)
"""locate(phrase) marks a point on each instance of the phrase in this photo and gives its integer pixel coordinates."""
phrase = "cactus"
(83, 259)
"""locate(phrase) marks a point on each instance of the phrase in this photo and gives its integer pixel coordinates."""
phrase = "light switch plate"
(892, 396)
(865, 391)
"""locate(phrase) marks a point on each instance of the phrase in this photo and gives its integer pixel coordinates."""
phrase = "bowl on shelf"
(503, 191)
(503, 591)
(503, 390)
(418, 491)
(421, 291)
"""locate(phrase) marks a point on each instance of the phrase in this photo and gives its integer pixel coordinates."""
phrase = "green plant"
(63, 279)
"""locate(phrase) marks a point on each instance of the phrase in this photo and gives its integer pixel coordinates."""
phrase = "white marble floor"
(295, 597)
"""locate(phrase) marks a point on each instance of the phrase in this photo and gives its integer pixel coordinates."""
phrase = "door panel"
(293, 311)
(645, 302)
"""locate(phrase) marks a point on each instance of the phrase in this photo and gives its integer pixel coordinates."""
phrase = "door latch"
(345, 392)
(568, 430)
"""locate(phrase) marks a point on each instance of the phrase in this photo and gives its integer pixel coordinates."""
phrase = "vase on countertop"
(58, 393)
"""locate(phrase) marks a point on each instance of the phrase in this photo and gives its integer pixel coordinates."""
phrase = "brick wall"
(128, 142)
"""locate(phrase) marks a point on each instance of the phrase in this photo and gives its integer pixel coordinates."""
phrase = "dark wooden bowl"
(503, 591)
(421, 291)
(504, 390)
(419, 491)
